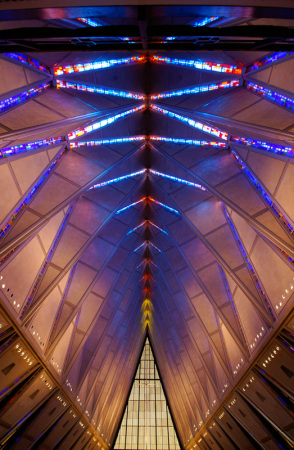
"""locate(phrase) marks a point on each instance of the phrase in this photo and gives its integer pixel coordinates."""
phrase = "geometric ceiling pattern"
(147, 193)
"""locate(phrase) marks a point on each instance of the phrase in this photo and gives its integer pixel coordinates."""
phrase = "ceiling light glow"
(197, 64)
(191, 122)
(197, 89)
(103, 123)
(98, 90)
(97, 65)
(23, 96)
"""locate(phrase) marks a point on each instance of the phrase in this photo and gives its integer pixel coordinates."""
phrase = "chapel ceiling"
(147, 192)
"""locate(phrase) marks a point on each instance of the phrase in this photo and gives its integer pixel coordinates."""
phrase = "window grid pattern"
(147, 422)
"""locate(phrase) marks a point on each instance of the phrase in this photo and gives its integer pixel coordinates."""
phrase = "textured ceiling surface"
(131, 212)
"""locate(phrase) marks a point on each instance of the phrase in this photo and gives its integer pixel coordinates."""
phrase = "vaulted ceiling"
(125, 212)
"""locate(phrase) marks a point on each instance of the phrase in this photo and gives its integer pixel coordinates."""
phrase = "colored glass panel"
(97, 65)
(147, 423)
(27, 60)
(196, 89)
(23, 96)
(98, 90)
(191, 122)
(103, 123)
(275, 97)
(269, 59)
(197, 64)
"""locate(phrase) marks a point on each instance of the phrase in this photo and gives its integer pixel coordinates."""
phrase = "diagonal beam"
(41, 222)
(71, 263)
(264, 148)
(199, 89)
(264, 194)
(29, 195)
(230, 295)
(271, 133)
(21, 151)
(161, 109)
(86, 336)
(47, 127)
(262, 229)
(87, 291)
(268, 61)
(244, 350)
(266, 317)
(113, 312)
(275, 95)
(21, 95)
(68, 84)
(106, 121)
(46, 262)
(32, 63)
(248, 128)
(110, 141)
